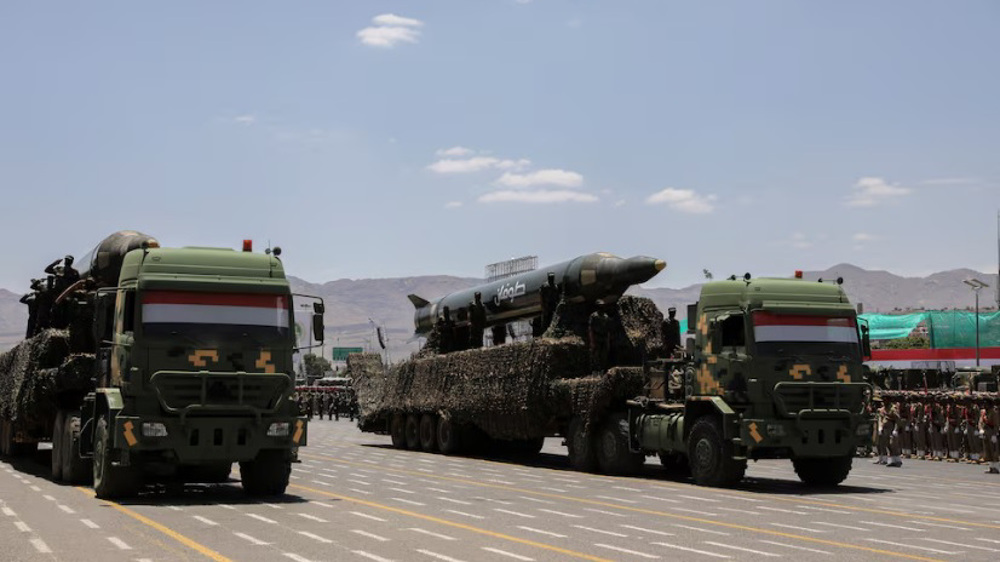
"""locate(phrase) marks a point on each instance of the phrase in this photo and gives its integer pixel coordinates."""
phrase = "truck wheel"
(613, 454)
(412, 432)
(75, 469)
(428, 433)
(825, 473)
(397, 430)
(57, 447)
(711, 456)
(266, 475)
(580, 447)
(111, 482)
(449, 439)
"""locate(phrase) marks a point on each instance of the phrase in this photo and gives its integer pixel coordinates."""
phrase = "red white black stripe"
(181, 307)
(769, 327)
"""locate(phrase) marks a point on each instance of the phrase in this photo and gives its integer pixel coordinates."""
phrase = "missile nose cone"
(660, 265)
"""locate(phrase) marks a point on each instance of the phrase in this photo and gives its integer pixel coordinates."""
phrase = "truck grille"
(179, 391)
(792, 398)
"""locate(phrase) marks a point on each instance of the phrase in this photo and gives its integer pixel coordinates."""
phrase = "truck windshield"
(795, 334)
(211, 318)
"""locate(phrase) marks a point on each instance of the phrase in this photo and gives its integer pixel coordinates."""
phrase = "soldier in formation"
(45, 307)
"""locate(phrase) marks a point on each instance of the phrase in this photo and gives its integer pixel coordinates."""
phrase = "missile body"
(588, 278)
(104, 262)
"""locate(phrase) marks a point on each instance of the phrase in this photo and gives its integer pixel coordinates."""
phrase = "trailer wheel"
(613, 454)
(449, 440)
(580, 446)
(75, 469)
(412, 432)
(58, 431)
(266, 475)
(428, 433)
(111, 482)
(824, 473)
(397, 430)
(711, 456)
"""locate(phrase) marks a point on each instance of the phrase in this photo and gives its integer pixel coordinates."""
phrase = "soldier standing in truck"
(671, 332)
(477, 321)
(599, 332)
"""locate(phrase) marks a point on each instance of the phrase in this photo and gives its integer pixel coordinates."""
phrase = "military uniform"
(599, 328)
(477, 323)
(905, 430)
(937, 431)
(989, 423)
(953, 432)
(919, 430)
(973, 443)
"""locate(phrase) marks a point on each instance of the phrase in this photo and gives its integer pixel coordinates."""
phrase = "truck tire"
(111, 482)
(428, 433)
(266, 475)
(412, 432)
(711, 456)
(824, 473)
(75, 469)
(449, 436)
(397, 431)
(613, 454)
(580, 446)
(58, 430)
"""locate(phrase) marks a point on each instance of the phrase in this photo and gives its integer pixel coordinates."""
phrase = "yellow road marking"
(454, 524)
(626, 508)
(196, 546)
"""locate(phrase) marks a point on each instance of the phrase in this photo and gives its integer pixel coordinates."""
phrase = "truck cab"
(774, 371)
(195, 371)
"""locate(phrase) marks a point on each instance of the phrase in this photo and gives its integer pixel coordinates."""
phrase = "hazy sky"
(383, 139)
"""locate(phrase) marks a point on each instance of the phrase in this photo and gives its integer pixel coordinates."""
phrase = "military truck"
(190, 361)
(773, 370)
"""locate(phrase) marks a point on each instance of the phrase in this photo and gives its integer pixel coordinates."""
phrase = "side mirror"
(103, 317)
(319, 308)
(318, 327)
(866, 342)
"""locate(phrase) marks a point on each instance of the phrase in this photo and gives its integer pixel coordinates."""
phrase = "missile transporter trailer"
(773, 370)
(173, 364)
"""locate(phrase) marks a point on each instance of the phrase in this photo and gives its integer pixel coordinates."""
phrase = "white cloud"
(452, 204)
(393, 20)
(475, 164)
(620, 203)
(800, 241)
(247, 119)
(683, 200)
(390, 30)
(863, 237)
(540, 196)
(951, 181)
(454, 151)
(561, 178)
(869, 192)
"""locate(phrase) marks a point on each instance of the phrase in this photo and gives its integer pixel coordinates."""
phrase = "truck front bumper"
(806, 435)
(201, 440)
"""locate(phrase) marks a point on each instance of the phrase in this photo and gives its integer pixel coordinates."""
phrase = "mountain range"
(354, 307)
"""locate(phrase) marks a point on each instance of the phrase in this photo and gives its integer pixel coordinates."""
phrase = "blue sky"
(383, 139)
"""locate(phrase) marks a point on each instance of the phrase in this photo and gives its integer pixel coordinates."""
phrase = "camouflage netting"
(37, 371)
(517, 390)
(588, 397)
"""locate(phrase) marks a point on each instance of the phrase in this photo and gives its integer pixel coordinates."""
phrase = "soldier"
(893, 424)
(905, 429)
(883, 431)
(989, 422)
(917, 413)
(352, 404)
(549, 293)
(446, 329)
(338, 404)
(937, 430)
(461, 329)
(31, 299)
(953, 430)
(327, 406)
(671, 331)
(973, 444)
(477, 321)
(499, 334)
(43, 302)
(599, 334)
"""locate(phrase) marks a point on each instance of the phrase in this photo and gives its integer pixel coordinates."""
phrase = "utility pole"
(977, 286)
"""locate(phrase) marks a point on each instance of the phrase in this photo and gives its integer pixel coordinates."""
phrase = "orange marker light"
(248, 245)
(798, 274)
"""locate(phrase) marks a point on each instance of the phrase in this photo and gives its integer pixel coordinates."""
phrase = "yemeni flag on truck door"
(222, 313)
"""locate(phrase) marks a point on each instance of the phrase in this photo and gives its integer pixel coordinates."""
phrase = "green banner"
(341, 353)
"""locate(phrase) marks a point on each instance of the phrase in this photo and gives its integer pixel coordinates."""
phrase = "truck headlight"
(154, 429)
(278, 429)
(863, 430)
(775, 430)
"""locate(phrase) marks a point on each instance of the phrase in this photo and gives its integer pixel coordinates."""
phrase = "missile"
(103, 264)
(588, 278)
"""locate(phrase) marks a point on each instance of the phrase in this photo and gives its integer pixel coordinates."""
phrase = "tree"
(315, 365)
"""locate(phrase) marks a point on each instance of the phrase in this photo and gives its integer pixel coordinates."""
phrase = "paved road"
(354, 498)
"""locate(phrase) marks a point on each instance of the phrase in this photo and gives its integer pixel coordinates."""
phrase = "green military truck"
(774, 371)
(191, 353)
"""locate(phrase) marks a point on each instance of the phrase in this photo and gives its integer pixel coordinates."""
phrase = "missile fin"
(418, 302)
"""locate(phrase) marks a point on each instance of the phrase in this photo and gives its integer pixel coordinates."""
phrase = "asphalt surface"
(355, 498)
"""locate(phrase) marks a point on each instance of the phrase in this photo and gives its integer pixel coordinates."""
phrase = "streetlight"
(977, 286)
